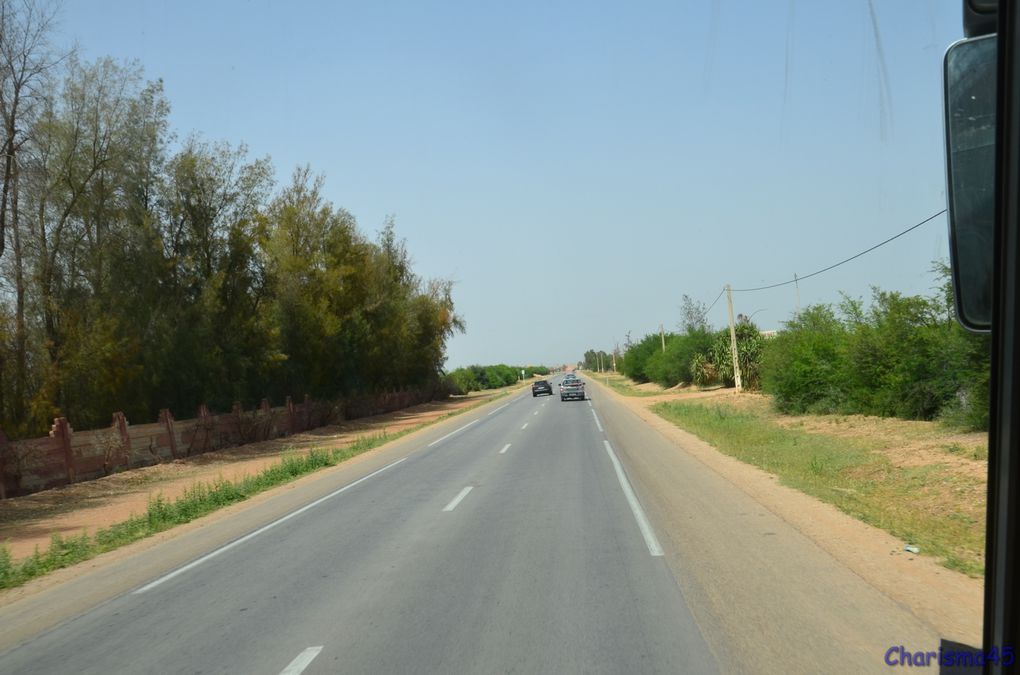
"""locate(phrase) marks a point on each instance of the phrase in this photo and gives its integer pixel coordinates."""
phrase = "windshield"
(248, 242)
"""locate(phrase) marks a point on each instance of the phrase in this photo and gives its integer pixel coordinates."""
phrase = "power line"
(715, 301)
(841, 262)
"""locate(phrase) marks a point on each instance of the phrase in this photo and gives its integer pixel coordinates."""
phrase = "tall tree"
(26, 58)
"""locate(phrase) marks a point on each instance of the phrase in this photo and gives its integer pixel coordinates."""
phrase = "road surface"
(511, 539)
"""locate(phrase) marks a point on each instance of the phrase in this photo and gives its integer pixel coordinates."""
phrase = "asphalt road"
(508, 540)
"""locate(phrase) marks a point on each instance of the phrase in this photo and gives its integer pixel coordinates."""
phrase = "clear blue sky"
(576, 167)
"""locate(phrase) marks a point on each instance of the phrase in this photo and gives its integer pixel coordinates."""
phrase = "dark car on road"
(541, 387)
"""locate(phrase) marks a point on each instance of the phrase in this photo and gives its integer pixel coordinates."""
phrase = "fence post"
(120, 422)
(60, 432)
(5, 448)
(238, 414)
(292, 420)
(206, 425)
(166, 418)
(267, 423)
(308, 412)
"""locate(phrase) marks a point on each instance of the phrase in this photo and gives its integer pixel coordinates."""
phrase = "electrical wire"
(715, 301)
(841, 262)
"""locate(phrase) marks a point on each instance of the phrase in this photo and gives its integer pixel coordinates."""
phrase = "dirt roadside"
(948, 601)
(29, 522)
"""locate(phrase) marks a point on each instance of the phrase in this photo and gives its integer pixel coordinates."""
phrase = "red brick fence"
(67, 456)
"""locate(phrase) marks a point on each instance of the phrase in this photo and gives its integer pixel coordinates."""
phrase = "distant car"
(573, 389)
(541, 387)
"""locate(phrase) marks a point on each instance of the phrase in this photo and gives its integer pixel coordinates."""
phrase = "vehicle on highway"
(541, 387)
(572, 389)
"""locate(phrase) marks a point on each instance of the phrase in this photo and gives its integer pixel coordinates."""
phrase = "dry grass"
(917, 480)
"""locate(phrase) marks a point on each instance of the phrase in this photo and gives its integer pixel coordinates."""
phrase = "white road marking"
(597, 423)
(251, 535)
(301, 661)
(455, 431)
(456, 500)
(498, 409)
(525, 426)
(505, 448)
(635, 506)
(536, 412)
(589, 404)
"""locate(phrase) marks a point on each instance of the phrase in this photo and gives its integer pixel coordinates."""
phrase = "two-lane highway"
(512, 542)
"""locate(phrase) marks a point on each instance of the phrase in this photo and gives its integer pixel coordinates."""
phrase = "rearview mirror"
(969, 78)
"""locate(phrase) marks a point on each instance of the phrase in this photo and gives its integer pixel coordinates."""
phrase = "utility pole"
(615, 349)
(662, 336)
(733, 340)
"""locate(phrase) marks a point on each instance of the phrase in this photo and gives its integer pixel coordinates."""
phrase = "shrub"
(749, 349)
(803, 366)
(636, 357)
(904, 356)
(674, 366)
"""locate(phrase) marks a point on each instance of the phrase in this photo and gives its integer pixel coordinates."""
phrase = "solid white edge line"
(498, 409)
(635, 506)
(525, 426)
(251, 535)
(597, 423)
(455, 431)
(301, 661)
(505, 448)
(456, 500)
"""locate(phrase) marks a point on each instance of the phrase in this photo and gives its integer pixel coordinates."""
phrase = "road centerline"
(525, 426)
(651, 541)
(457, 500)
(505, 448)
(597, 423)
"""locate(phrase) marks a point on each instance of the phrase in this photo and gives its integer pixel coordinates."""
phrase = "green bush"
(635, 359)
(904, 356)
(703, 371)
(475, 378)
(804, 365)
(749, 351)
(462, 381)
(674, 366)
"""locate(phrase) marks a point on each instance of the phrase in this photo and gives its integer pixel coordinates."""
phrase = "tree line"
(897, 356)
(142, 271)
(476, 378)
